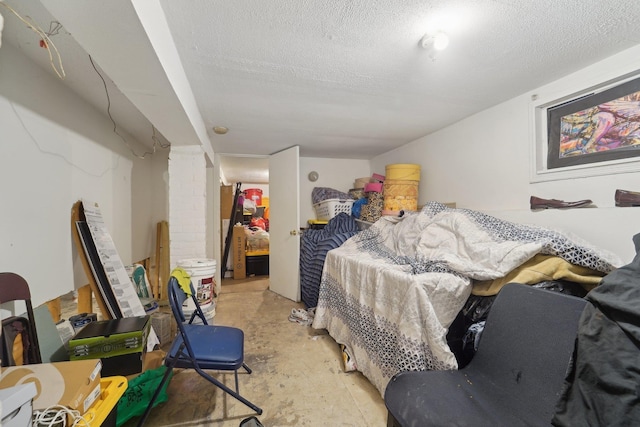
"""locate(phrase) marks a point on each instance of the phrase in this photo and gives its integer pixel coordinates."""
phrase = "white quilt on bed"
(391, 292)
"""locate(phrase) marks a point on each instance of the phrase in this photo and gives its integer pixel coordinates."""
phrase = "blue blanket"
(314, 247)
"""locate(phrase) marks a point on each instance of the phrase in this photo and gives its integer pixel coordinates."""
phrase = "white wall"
(211, 217)
(56, 149)
(213, 195)
(339, 174)
(149, 202)
(484, 163)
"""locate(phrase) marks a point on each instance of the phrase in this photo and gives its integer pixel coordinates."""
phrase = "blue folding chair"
(202, 347)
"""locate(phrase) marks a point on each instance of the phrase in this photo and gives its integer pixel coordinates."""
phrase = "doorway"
(284, 217)
(249, 177)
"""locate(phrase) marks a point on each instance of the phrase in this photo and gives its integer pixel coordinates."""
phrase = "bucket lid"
(403, 171)
(403, 166)
(197, 262)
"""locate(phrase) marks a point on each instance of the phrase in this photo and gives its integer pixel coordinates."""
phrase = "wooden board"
(55, 309)
(162, 260)
(85, 300)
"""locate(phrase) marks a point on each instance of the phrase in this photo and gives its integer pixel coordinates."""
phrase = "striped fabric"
(313, 250)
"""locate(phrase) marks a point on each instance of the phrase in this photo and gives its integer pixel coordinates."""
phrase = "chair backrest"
(528, 341)
(14, 287)
(177, 297)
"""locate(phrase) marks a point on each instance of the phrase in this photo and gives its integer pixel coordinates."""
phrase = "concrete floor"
(297, 376)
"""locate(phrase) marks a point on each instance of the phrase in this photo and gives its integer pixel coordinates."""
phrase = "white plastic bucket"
(202, 272)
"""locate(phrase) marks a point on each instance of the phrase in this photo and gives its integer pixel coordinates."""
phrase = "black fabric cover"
(514, 379)
(603, 386)
(466, 329)
(475, 310)
(313, 250)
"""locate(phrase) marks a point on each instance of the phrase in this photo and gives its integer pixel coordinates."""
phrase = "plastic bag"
(357, 206)
(135, 400)
(258, 222)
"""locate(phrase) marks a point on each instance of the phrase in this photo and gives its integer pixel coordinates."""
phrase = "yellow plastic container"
(400, 195)
(402, 172)
(104, 411)
(401, 188)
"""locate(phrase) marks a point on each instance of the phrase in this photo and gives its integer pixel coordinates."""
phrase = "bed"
(390, 293)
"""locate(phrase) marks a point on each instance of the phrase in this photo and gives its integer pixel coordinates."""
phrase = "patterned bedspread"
(391, 292)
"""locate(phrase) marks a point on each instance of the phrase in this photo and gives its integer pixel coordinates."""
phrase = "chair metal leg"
(155, 396)
(244, 365)
(228, 390)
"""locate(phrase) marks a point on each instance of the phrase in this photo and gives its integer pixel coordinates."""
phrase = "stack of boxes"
(74, 385)
(372, 189)
(88, 386)
(389, 194)
(401, 188)
(121, 344)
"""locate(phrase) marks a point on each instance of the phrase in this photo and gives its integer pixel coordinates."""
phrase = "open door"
(284, 223)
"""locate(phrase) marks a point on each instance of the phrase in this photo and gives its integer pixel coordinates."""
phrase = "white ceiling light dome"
(437, 41)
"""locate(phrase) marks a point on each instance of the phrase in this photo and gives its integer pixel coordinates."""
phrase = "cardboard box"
(121, 344)
(123, 365)
(152, 360)
(226, 201)
(108, 338)
(239, 244)
(74, 384)
(16, 405)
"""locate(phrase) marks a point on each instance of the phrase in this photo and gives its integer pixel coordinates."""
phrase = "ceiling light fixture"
(433, 43)
(440, 41)
(220, 130)
(437, 41)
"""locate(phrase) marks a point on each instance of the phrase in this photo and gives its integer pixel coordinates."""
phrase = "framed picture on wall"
(596, 127)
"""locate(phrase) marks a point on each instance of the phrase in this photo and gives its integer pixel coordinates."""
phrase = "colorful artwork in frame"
(596, 127)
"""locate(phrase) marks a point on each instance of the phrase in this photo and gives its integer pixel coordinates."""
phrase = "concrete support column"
(187, 203)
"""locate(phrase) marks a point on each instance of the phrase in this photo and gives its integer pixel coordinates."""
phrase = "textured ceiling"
(341, 78)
